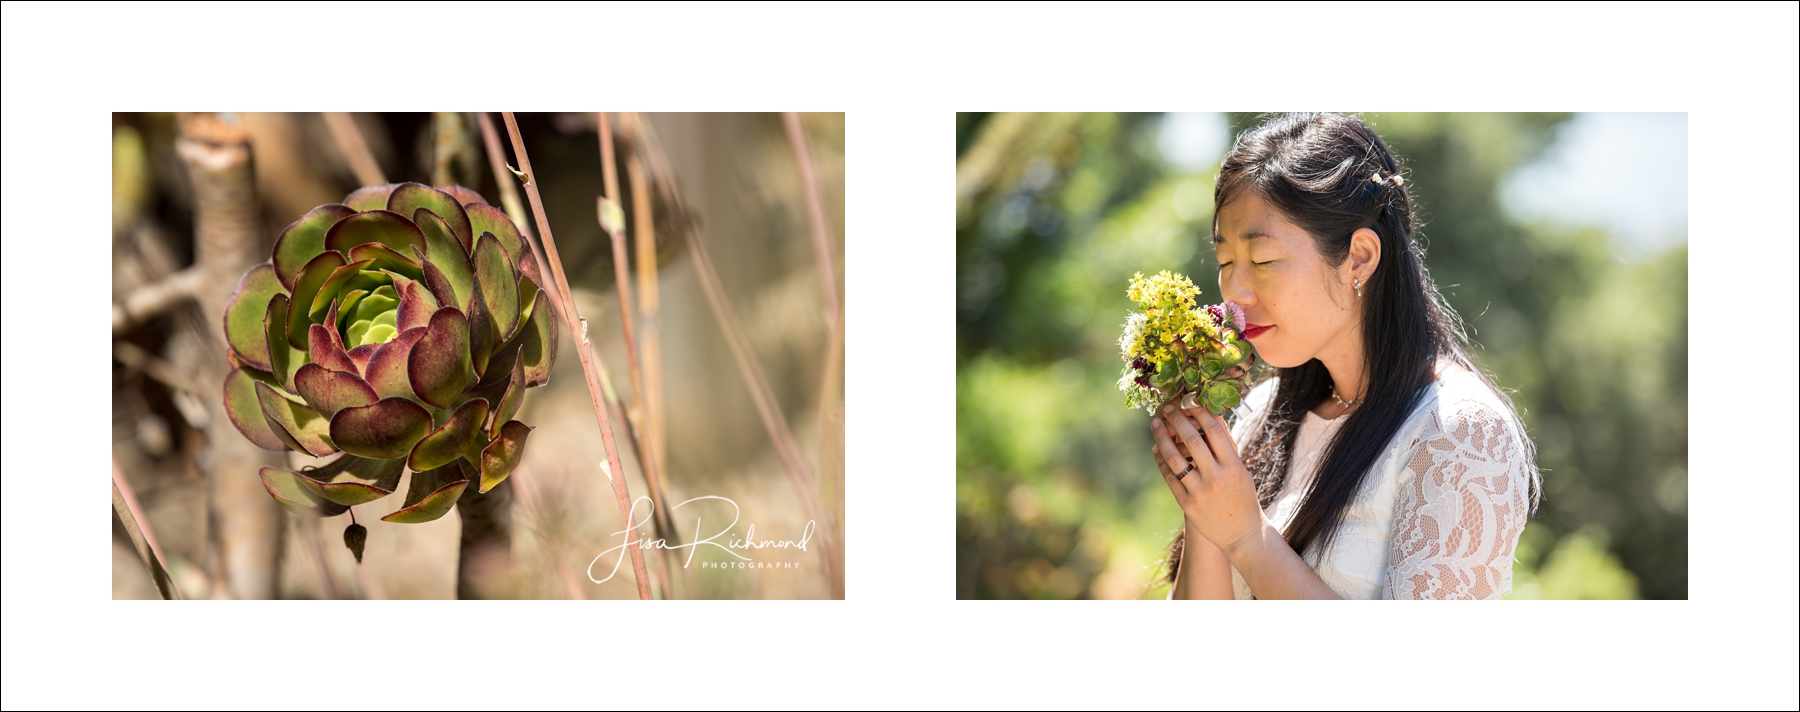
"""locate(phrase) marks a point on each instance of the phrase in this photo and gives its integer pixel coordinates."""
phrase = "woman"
(1377, 462)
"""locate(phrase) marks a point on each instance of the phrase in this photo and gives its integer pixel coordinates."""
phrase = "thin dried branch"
(509, 193)
(648, 303)
(766, 406)
(126, 507)
(815, 210)
(565, 306)
(355, 149)
(831, 433)
(611, 220)
(767, 409)
(152, 300)
(831, 437)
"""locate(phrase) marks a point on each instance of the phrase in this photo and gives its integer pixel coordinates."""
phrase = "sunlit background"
(1560, 238)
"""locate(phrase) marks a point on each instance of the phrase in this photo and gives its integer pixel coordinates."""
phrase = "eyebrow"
(1253, 234)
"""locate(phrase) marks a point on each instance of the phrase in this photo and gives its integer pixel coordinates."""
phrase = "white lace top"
(1437, 517)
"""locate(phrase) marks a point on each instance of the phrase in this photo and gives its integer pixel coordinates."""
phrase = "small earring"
(1358, 284)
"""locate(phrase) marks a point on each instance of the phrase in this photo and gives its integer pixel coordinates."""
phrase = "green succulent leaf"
(483, 341)
(448, 442)
(325, 350)
(284, 360)
(1231, 354)
(439, 368)
(329, 391)
(352, 480)
(512, 398)
(306, 290)
(409, 198)
(444, 250)
(416, 306)
(431, 493)
(499, 284)
(381, 226)
(538, 345)
(528, 267)
(374, 197)
(245, 312)
(245, 411)
(299, 426)
(440, 287)
(1221, 396)
(386, 371)
(304, 240)
(489, 219)
(503, 454)
(384, 258)
(384, 430)
(346, 279)
(463, 195)
(285, 487)
(347, 303)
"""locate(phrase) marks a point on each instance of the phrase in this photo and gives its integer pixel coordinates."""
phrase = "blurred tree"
(1056, 495)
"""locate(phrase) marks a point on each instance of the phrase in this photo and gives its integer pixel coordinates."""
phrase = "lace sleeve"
(1457, 521)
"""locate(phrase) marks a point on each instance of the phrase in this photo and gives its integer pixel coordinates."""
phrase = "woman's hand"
(1216, 494)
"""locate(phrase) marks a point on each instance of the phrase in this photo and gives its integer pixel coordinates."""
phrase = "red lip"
(1252, 331)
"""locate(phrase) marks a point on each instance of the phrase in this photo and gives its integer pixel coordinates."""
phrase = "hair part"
(1332, 175)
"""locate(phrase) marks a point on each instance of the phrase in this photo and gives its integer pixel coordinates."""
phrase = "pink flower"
(1237, 315)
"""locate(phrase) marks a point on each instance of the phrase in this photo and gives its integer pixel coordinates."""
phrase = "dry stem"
(509, 193)
(665, 524)
(766, 406)
(355, 149)
(816, 212)
(565, 305)
(125, 505)
(153, 299)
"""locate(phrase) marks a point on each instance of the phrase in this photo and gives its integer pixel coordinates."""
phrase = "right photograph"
(1321, 355)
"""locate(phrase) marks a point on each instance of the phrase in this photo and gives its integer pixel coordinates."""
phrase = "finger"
(1218, 438)
(1182, 428)
(1175, 485)
(1171, 455)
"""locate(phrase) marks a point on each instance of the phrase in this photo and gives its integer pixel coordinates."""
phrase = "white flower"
(1134, 333)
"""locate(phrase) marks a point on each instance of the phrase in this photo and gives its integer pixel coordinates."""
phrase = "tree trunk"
(247, 524)
(484, 563)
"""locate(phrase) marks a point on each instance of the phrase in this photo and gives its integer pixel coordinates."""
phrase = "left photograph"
(478, 356)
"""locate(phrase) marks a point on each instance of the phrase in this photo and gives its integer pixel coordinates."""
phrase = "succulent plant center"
(370, 316)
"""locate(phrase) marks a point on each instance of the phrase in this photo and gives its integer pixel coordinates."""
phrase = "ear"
(1365, 255)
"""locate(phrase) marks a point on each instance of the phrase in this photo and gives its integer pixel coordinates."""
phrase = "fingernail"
(1168, 409)
(1157, 424)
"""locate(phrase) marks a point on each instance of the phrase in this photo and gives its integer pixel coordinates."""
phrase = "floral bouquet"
(1174, 348)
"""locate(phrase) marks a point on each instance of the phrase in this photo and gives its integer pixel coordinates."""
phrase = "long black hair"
(1332, 175)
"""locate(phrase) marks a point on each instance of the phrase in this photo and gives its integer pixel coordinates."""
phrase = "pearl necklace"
(1340, 401)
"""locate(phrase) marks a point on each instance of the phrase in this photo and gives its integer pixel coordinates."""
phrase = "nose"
(1235, 286)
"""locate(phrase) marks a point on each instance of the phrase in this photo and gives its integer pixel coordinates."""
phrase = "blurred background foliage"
(1057, 496)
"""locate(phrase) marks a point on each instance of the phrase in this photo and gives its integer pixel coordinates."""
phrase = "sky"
(1626, 173)
(1623, 172)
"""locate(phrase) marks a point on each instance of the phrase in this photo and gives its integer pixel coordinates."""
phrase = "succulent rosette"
(1174, 348)
(398, 330)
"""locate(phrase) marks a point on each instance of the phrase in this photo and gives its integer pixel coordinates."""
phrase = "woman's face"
(1296, 307)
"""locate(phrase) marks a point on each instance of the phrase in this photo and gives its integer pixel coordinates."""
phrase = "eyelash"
(1258, 264)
